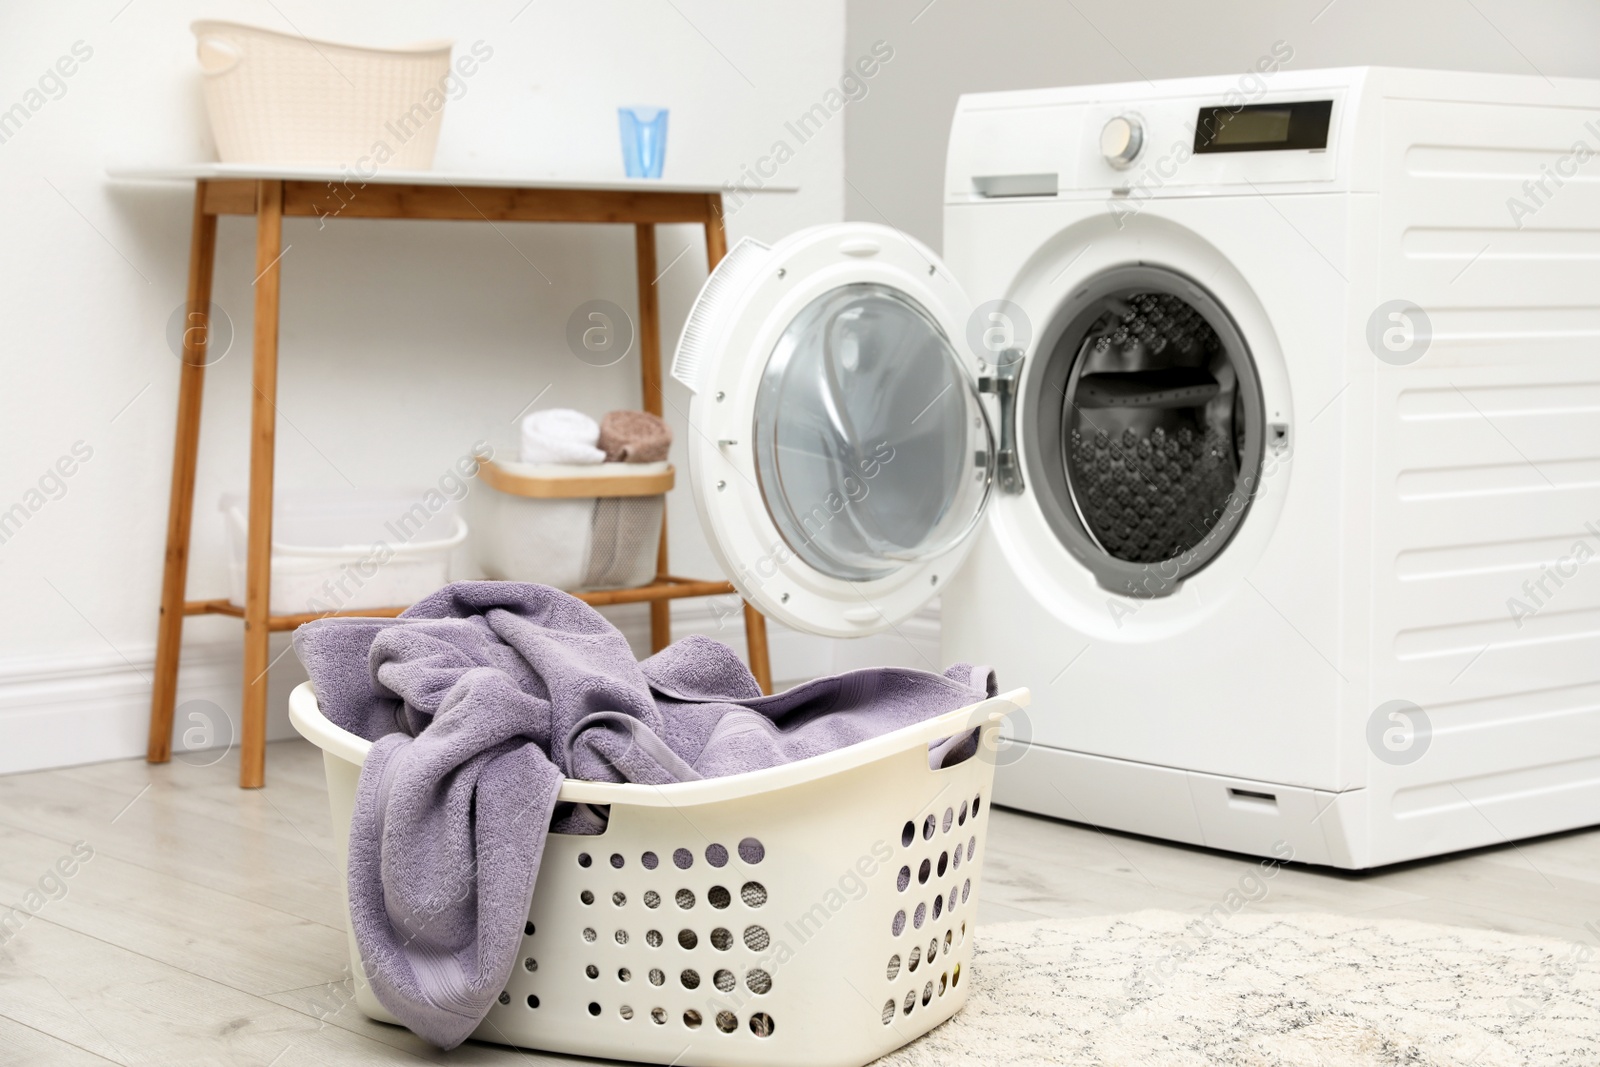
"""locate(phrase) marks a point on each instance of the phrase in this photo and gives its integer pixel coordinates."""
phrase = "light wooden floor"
(207, 926)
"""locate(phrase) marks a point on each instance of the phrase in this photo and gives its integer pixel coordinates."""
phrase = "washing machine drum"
(1147, 429)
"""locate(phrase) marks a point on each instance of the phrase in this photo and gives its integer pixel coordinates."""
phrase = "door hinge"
(1003, 384)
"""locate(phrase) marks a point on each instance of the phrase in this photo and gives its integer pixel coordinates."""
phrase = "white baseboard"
(89, 709)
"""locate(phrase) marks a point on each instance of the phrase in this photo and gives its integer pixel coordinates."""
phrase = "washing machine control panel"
(1207, 142)
(1025, 145)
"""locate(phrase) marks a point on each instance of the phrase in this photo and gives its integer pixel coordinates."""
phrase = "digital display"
(1255, 127)
(1263, 127)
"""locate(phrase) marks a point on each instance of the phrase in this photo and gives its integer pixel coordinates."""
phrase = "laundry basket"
(814, 914)
(570, 526)
(282, 98)
(347, 550)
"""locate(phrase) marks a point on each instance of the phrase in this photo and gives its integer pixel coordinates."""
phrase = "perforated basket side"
(820, 921)
(826, 923)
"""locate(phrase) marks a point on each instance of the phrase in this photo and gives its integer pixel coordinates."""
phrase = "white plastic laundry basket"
(282, 98)
(815, 914)
(573, 527)
(348, 551)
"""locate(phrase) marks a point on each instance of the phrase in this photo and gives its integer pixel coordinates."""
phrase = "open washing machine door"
(839, 455)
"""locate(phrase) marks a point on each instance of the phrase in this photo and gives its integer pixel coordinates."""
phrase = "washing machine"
(1253, 423)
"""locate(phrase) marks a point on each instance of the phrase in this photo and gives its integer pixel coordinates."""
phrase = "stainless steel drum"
(1145, 426)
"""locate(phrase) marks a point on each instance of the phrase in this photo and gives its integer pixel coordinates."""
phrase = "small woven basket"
(282, 99)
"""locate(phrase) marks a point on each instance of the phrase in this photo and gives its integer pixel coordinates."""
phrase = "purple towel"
(479, 700)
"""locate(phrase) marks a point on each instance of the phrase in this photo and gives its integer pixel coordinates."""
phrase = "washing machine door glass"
(870, 443)
(840, 457)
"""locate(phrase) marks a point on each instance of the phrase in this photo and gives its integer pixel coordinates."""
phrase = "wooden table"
(270, 194)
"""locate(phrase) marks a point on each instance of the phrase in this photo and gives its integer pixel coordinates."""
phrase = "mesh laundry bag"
(572, 527)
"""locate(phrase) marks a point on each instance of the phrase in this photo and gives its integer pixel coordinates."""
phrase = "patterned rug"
(1159, 989)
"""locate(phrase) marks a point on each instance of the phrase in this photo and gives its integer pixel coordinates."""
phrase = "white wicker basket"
(817, 914)
(278, 98)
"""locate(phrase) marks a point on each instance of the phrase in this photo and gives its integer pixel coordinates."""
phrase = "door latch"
(1003, 384)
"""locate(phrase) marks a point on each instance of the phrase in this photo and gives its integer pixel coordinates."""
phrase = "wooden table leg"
(180, 502)
(755, 624)
(755, 639)
(644, 245)
(263, 426)
(716, 235)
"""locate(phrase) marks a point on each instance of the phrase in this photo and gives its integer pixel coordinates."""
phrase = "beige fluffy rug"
(1157, 990)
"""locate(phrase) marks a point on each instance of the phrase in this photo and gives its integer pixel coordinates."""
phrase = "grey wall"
(895, 136)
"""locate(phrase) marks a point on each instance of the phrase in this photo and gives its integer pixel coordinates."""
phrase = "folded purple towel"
(634, 437)
(479, 699)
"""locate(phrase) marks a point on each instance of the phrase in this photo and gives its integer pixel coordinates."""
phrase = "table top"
(188, 172)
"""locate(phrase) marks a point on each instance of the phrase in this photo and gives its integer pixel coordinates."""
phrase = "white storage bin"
(838, 926)
(281, 98)
(570, 526)
(345, 551)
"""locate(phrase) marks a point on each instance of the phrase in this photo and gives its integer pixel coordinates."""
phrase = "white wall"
(402, 342)
(895, 138)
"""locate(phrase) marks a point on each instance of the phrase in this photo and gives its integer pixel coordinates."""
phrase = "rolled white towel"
(560, 435)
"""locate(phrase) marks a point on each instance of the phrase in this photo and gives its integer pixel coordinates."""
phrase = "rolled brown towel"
(634, 437)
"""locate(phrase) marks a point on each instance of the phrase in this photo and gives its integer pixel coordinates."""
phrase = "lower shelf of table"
(665, 587)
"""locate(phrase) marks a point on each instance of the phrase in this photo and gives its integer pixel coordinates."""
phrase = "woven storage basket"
(816, 914)
(277, 98)
(573, 527)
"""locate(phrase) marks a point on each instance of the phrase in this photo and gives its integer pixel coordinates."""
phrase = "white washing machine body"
(1284, 496)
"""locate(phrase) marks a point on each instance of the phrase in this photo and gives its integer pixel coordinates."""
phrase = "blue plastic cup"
(644, 140)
